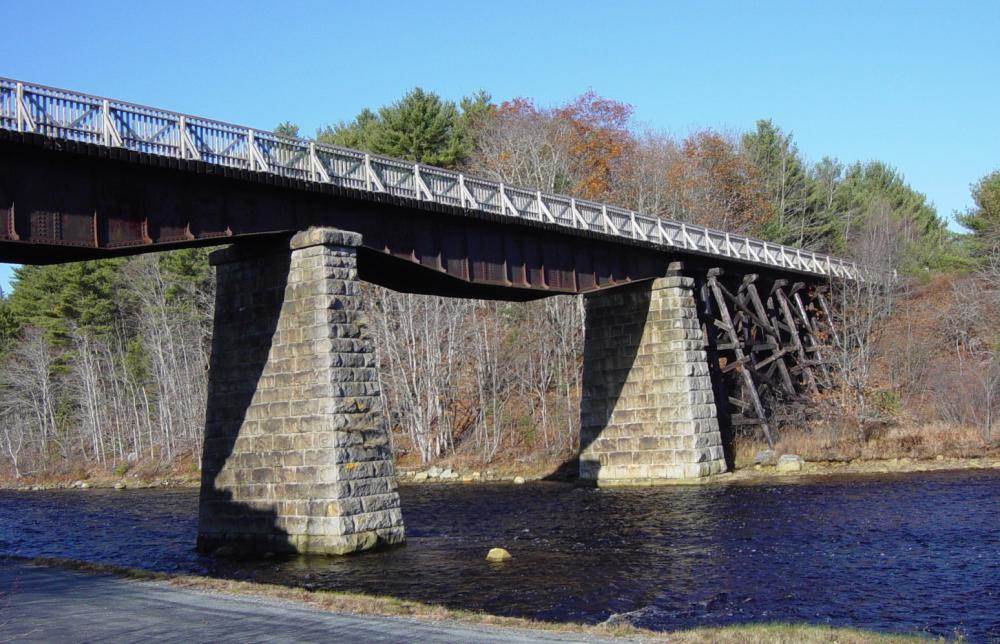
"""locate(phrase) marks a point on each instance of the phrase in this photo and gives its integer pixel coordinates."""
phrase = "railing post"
(111, 135)
(368, 172)
(19, 100)
(182, 133)
(663, 233)
(251, 159)
(106, 121)
(461, 188)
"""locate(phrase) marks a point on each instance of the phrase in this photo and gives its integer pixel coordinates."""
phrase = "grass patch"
(362, 604)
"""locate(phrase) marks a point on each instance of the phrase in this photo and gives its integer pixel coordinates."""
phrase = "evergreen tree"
(287, 128)
(419, 127)
(9, 329)
(357, 134)
(188, 272)
(59, 297)
(869, 186)
(983, 219)
(780, 171)
(824, 182)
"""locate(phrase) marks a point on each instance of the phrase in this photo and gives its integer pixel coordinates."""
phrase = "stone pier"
(647, 412)
(296, 455)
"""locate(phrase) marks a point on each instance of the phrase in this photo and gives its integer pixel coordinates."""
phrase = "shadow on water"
(249, 296)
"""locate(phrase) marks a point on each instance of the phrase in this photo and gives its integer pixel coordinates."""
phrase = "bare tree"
(863, 307)
(418, 337)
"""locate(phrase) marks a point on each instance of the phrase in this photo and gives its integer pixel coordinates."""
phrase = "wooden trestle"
(769, 344)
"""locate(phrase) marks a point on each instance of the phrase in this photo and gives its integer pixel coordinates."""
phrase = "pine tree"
(867, 187)
(983, 219)
(287, 128)
(357, 134)
(60, 297)
(419, 127)
(787, 185)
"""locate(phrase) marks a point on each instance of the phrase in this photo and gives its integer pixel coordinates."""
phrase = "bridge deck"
(63, 115)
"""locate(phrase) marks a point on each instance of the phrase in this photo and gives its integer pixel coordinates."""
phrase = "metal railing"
(74, 116)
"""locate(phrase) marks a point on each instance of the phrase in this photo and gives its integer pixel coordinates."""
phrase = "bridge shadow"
(250, 281)
(610, 352)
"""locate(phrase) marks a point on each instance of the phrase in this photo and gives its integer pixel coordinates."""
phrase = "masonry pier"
(647, 412)
(296, 455)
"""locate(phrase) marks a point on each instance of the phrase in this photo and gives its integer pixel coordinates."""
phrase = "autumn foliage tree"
(712, 184)
(598, 141)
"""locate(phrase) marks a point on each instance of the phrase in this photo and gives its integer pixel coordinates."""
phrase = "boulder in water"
(497, 555)
(420, 477)
(518, 480)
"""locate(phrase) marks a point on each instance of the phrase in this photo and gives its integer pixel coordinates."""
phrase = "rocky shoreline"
(787, 467)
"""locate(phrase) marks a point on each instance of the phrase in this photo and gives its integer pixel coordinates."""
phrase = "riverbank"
(41, 602)
(746, 473)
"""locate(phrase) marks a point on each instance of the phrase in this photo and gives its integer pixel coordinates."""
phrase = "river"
(903, 553)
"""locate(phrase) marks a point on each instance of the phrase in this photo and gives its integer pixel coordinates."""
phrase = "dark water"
(903, 553)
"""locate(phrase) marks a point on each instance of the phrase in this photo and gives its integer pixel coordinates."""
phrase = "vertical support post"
(19, 99)
(106, 121)
(182, 133)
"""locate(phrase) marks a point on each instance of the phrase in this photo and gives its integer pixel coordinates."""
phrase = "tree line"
(105, 362)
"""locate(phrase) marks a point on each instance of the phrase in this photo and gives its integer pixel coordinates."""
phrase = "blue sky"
(916, 84)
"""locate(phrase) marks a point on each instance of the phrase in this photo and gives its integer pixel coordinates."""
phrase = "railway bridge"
(686, 327)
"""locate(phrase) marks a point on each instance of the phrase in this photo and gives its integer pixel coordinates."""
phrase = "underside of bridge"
(296, 453)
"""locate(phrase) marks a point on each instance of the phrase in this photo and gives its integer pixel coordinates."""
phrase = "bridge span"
(686, 327)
